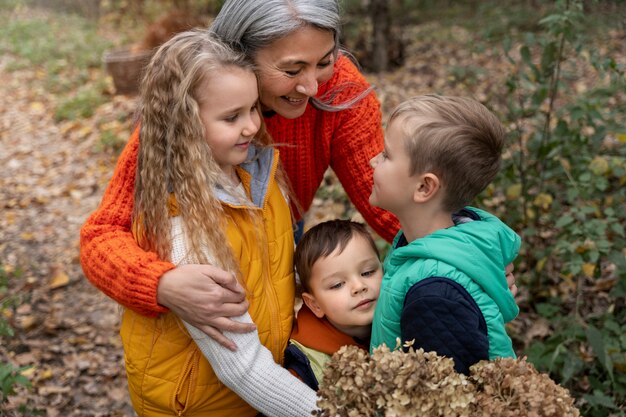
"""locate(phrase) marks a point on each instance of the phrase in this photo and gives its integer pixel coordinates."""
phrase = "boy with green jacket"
(444, 285)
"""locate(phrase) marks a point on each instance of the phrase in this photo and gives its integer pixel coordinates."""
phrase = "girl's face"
(228, 110)
(292, 68)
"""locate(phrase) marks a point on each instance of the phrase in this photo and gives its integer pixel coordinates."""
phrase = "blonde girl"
(209, 190)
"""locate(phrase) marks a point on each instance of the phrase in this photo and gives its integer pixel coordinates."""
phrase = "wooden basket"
(126, 68)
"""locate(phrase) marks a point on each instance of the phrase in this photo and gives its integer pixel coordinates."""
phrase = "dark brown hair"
(322, 240)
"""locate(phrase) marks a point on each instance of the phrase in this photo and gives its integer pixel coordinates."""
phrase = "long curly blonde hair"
(174, 157)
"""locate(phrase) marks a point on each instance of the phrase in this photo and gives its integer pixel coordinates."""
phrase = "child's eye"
(231, 118)
(336, 286)
(370, 272)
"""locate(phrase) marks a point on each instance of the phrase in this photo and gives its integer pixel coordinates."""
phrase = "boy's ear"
(310, 302)
(426, 188)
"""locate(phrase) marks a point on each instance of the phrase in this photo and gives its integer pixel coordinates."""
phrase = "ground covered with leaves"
(54, 171)
(61, 128)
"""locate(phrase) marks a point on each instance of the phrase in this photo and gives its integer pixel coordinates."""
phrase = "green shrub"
(80, 105)
(563, 190)
(110, 141)
(7, 301)
(55, 42)
(10, 376)
(63, 50)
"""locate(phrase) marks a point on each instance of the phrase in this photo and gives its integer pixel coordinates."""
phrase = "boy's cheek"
(374, 304)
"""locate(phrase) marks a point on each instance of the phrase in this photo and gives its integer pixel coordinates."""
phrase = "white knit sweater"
(250, 371)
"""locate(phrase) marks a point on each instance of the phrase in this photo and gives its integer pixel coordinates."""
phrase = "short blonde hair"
(458, 139)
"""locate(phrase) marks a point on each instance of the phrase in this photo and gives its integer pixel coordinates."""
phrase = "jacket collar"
(255, 174)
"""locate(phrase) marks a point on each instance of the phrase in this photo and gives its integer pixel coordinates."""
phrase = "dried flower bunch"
(513, 387)
(423, 384)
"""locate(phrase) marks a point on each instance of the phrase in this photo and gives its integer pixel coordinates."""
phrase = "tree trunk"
(381, 27)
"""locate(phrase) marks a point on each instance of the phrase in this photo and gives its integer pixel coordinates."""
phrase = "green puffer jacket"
(472, 254)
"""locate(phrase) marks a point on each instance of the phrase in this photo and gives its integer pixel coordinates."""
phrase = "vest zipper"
(275, 324)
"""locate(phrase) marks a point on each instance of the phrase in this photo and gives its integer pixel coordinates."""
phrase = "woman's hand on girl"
(206, 297)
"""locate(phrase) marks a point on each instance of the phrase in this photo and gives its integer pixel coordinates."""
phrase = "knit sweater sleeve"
(357, 138)
(110, 257)
(440, 315)
(251, 373)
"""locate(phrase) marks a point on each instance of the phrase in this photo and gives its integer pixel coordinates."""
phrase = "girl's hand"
(510, 279)
(206, 297)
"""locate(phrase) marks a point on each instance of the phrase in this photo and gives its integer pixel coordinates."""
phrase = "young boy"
(340, 272)
(444, 284)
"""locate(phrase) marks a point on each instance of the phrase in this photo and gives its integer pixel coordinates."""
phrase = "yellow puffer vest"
(167, 374)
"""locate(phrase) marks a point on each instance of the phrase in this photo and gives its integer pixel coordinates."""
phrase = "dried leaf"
(26, 322)
(53, 389)
(59, 278)
(589, 269)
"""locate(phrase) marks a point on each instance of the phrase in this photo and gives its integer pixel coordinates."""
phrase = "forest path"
(52, 177)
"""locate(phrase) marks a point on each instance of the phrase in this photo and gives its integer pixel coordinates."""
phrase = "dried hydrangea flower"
(513, 387)
(395, 383)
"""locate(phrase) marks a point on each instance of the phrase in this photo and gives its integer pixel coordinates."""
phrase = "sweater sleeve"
(251, 373)
(357, 138)
(441, 316)
(110, 257)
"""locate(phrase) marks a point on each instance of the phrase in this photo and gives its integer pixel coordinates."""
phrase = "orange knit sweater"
(344, 140)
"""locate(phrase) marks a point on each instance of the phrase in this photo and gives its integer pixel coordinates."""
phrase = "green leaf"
(507, 44)
(571, 366)
(618, 229)
(551, 19)
(599, 398)
(22, 380)
(594, 337)
(5, 370)
(525, 53)
(537, 355)
(547, 310)
(563, 221)
(548, 59)
(5, 329)
(560, 348)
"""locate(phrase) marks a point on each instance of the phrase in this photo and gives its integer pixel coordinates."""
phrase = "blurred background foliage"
(562, 186)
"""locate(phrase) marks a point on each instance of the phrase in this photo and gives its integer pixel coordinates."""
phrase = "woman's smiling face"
(292, 68)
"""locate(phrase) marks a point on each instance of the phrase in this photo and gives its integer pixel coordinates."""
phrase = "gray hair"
(250, 25)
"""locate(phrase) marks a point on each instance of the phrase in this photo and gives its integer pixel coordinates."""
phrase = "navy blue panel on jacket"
(297, 361)
(441, 316)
